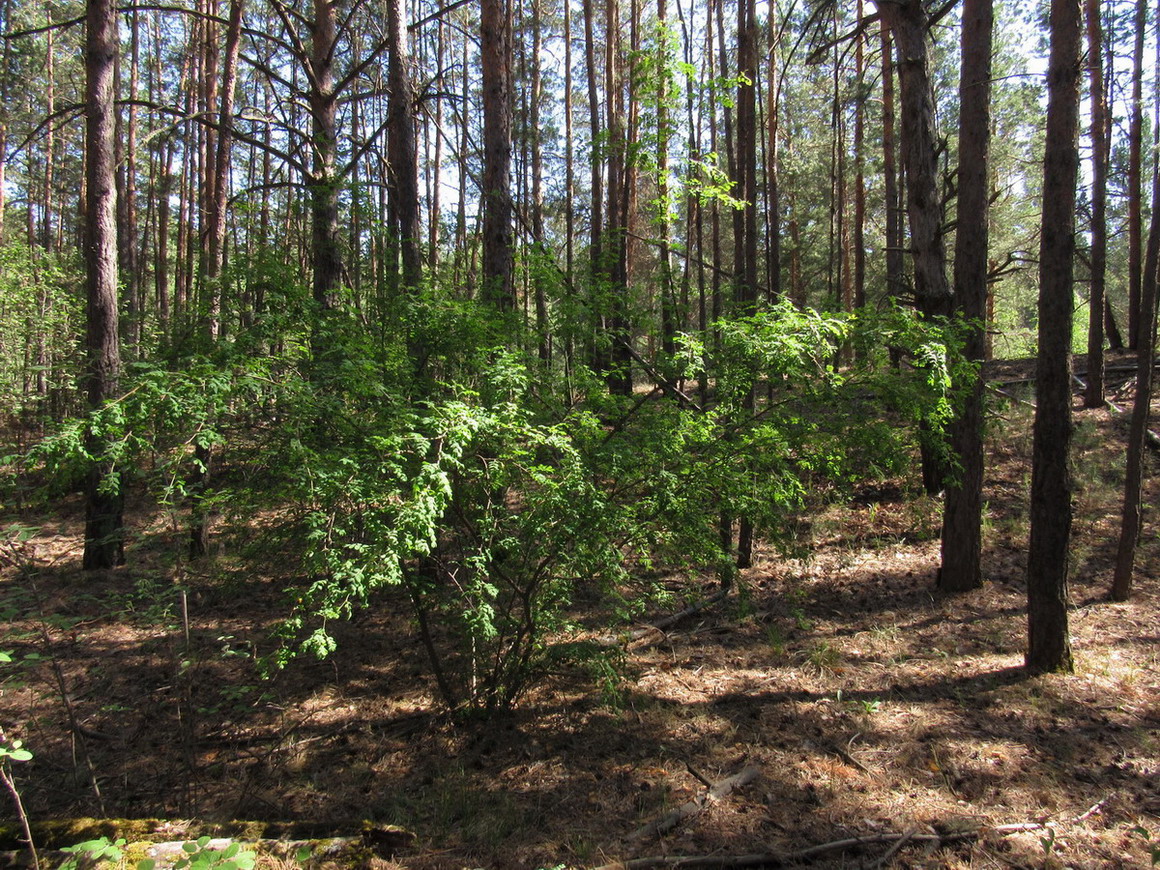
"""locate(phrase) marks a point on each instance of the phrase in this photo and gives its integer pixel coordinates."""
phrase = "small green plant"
(823, 657)
(1153, 846)
(1047, 841)
(13, 750)
(203, 855)
(92, 852)
(800, 619)
(775, 637)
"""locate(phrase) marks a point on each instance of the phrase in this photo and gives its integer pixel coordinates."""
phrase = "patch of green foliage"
(491, 494)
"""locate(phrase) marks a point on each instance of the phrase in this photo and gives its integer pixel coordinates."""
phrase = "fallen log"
(165, 841)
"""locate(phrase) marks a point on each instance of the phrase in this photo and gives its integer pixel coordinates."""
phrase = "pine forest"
(573, 434)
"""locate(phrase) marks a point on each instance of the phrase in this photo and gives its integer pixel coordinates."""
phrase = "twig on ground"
(773, 859)
(897, 847)
(1093, 809)
(695, 806)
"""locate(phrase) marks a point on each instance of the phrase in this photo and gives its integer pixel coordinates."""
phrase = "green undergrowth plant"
(515, 519)
(516, 513)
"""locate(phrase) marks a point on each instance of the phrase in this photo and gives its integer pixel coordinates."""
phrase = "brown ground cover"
(870, 703)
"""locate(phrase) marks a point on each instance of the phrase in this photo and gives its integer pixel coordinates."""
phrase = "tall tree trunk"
(543, 336)
(496, 56)
(1135, 185)
(1049, 648)
(745, 219)
(104, 535)
(403, 181)
(1145, 361)
(324, 183)
(616, 238)
(859, 168)
(49, 133)
(127, 224)
(214, 266)
(772, 189)
(745, 163)
(437, 167)
(5, 56)
(963, 513)
(1094, 393)
(909, 24)
(894, 264)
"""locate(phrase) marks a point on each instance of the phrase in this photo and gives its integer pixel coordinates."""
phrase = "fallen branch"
(658, 627)
(696, 805)
(773, 859)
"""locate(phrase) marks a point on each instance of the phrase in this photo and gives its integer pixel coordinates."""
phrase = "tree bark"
(909, 24)
(1094, 392)
(1134, 476)
(1049, 648)
(326, 252)
(104, 535)
(496, 56)
(894, 259)
(1135, 176)
(963, 513)
(403, 180)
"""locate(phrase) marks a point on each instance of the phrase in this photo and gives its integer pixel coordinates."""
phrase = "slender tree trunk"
(894, 264)
(49, 135)
(128, 230)
(1094, 393)
(772, 188)
(616, 238)
(437, 167)
(1135, 185)
(5, 56)
(909, 25)
(1049, 648)
(543, 336)
(403, 183)
(963, 512)
(1145, 361)
(859, 167)
(324, 184)
(104, 535)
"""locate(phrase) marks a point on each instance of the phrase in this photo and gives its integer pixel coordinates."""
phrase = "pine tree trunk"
(963, 512)
(1094, 393)
(1145, 360)
(1135, 184)
(496, 56)
(403, 180)
(1049, 648)
(104, 535)
(909, 25)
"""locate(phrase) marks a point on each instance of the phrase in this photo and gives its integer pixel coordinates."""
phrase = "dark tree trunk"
(1135, 185)
(403, 180)
(894, 261)
(326, 252)
(772, 189)
(909, 23)
(104, 537)
(496, 55)
(1094, 394)
(859, 169)
(963, 512)
(1049, 648)
(1134, 476)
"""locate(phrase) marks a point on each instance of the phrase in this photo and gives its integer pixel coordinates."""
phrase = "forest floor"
(870, 704)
